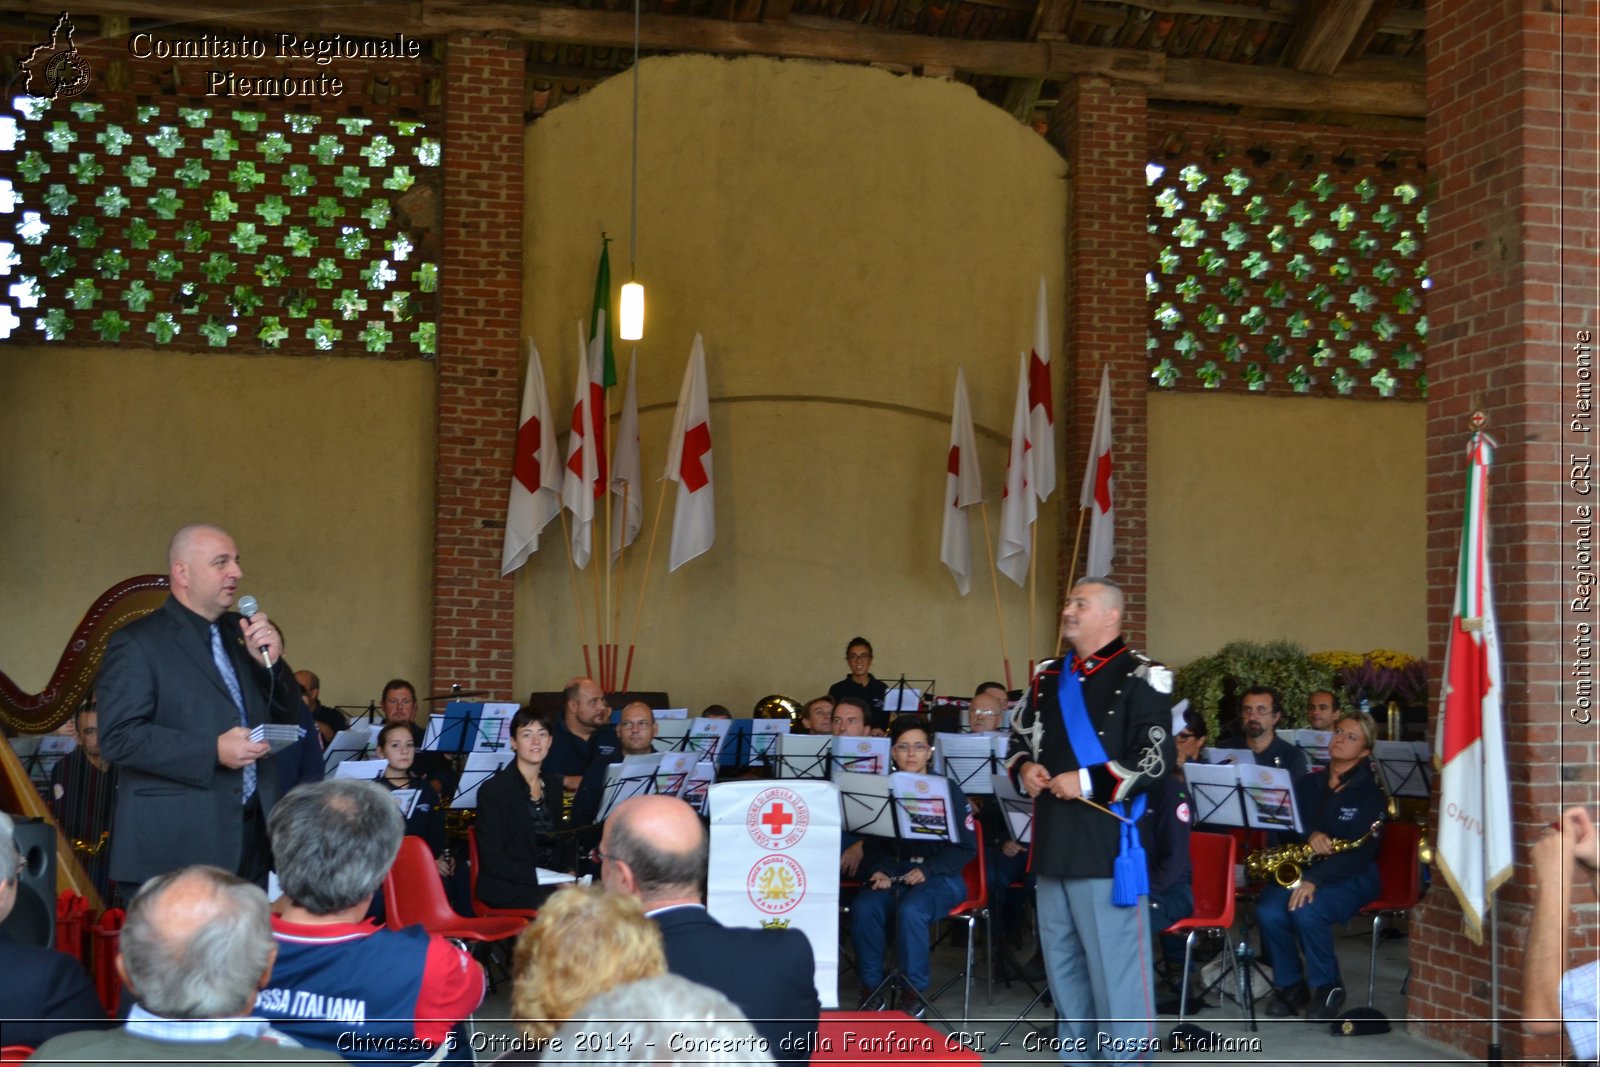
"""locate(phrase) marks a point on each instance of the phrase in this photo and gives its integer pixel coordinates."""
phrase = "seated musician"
(83, 789)
(636, 730)
(1338, 806)
(426, 820)
(918, 881)
(519, 810)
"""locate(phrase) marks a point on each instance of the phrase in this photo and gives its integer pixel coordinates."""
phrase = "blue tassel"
(1130, 876)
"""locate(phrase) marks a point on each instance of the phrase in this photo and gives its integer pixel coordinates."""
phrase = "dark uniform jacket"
(1132, 717)
(1345, 815)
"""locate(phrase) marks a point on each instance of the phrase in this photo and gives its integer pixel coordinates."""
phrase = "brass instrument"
(778, 707)
(1282, 863)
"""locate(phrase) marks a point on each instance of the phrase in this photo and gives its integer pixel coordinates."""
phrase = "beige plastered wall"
(321, 469)
(1292, 518)
(844, 239)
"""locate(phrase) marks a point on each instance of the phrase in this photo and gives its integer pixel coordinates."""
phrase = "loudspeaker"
(33, 920)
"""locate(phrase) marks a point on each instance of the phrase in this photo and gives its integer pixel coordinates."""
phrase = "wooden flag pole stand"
(577, 594)
(644, 582)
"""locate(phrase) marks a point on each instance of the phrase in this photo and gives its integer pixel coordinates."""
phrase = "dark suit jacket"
(508, 847)
(162, 706)
(44, 993)
(769, 974)
(119, 1046)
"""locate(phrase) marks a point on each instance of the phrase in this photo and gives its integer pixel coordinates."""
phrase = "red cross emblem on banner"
(777, 819)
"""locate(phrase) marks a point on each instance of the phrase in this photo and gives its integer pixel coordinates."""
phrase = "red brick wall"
(479, 330)
(1511, 152)
(1100, 129)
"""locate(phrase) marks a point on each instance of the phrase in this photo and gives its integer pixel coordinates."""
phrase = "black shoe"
(869, 1002)
(1288, 1003)
(1326, 1002)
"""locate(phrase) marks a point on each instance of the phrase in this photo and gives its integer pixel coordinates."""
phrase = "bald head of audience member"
(197, 944)
(636, 729)
(654, 848)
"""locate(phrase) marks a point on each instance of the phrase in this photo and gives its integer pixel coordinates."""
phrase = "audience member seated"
(42, 992)
(636, 733)
(644, 1020)
(195, 948)
(1260, 709)
(583, 736)
(1339, 803)
(342, 984)
(818, 718)
(654, 848)
(83, 793)
(586, 941)
(860, 683)
(914, 882)
(519, 811)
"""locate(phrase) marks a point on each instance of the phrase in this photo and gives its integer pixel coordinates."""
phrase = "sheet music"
(494, 727)
(406, 801)
(1018, 808)
(697, 790)
(672, 774)
(764, 734)
(347, 744)
(924, 808)
(969, 759)
(907, 699)
(670, 713)
(860, 755)
(363, 770)
(671, 734)
(1232, 756)
(635, 776)
(1406, 767)
(706, 736)
(1314, 743)
(480, 767)
(1269, 798)
(864, 803)
(804, 755)
(1214, 791)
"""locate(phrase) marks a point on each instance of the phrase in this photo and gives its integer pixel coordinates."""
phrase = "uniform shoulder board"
(1158, 675)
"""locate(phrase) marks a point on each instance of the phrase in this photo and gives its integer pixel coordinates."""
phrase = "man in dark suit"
(180, 691)
(655, 848)
(42, 993)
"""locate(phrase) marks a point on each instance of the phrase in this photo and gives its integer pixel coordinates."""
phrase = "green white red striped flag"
(1474, 839)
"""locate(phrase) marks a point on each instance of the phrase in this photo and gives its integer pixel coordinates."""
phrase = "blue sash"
(1130, 875)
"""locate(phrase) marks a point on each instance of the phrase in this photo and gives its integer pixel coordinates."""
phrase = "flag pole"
(608, 665)
(1491, 912)
(994, 581)
(1033, 586)
(1072, 564)
(577, 595)
(616, 604)
(600, 648)
(644, 581)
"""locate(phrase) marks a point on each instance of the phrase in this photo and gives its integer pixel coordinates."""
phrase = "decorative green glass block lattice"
(140, 223)
(1287, 276)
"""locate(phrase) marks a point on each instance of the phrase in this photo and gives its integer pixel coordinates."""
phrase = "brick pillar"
(1511, 157)
(1100, 129)
(479, 330)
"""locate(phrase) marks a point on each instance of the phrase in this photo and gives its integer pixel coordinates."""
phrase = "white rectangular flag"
(1099, 487)
(694, 520)
(1020, 507)
(627, 480)
(535, 496)
(963, 488)
(580, 483)
(1041, 404)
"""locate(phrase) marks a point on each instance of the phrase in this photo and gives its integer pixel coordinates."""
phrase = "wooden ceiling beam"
(1387, 89)
(1322, 38)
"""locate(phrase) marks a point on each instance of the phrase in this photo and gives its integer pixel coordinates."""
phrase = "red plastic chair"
(15, 1053)
(969, 911)
(414, 896)
(479, 908)
(106, 934)
(1400, 881)
(72, 921)
(1211, 858)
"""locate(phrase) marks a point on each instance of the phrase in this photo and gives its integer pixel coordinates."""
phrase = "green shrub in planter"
(1241, 665)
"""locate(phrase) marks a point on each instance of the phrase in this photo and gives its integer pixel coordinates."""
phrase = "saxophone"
(1282, 863)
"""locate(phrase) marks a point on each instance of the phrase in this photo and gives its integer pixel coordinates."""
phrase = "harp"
(40, 713)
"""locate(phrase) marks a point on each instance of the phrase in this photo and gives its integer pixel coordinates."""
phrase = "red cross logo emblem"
(776, 818)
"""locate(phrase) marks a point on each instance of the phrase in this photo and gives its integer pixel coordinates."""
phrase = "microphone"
(248, 607)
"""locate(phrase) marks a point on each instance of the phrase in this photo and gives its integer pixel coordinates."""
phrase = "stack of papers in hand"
(277, 734)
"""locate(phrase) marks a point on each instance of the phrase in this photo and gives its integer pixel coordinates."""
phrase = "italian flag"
(1474, 839)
